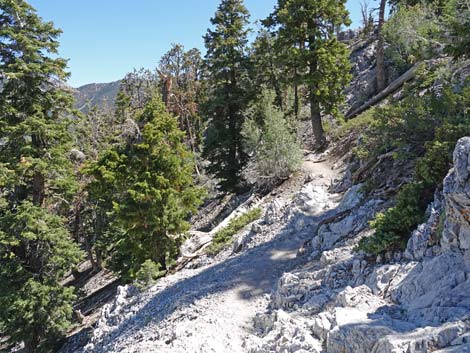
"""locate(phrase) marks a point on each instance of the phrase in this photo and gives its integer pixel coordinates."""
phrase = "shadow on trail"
(254, 272)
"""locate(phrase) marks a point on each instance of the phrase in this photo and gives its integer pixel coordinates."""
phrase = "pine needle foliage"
(227, 67)
(274, 146)
(149, 182)
(306, 32)
(36, 180)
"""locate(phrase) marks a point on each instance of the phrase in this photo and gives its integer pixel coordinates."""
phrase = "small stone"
(257, 228)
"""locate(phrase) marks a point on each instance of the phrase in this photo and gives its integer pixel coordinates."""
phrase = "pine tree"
(227, 66)
(306, 29)
(181, 73)
(149, 181)
(267, 67)
(37, 183)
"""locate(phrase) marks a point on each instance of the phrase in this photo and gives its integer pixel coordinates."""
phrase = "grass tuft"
(224, 236)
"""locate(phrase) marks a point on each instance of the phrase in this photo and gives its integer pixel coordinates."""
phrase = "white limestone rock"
(273, 211)
(195, 242)
(288, 335)
(456, 234)
(424, 236)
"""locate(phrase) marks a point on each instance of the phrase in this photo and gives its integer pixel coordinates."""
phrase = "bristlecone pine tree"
(36, 180)
(227, 66)
(149, 181)
(306, 29)
(181, 76)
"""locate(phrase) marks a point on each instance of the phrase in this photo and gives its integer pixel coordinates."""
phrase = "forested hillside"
(306, 145)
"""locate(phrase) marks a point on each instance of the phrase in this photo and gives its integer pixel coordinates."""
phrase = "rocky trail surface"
(211, 308)
(293, 282)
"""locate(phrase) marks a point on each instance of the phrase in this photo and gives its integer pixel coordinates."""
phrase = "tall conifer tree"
(37, 182)
(227, 65)
(306, 30)
(147, 183)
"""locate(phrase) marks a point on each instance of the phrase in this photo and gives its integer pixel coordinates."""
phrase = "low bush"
(392, 228)
(268, 137)
(358, 124)
(426, 129)
(457, 15)
(148, 273)
(412, 35)
(224, 236)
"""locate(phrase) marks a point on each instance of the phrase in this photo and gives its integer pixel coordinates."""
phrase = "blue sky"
(105, 39)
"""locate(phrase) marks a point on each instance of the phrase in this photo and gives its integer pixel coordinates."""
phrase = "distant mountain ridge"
(102, 95)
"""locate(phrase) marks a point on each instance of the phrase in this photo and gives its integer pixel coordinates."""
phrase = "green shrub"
(408, 125)
(411, 34)
(268, 137)
(148, 273)
(224, 236)
(427, 130)
(392, 228)
(357, 124)
(458, 22)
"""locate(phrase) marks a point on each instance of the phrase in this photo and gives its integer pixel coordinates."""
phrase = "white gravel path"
(209, 309)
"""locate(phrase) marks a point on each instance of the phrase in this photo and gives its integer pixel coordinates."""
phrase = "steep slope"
(292, 281)
(96, 94)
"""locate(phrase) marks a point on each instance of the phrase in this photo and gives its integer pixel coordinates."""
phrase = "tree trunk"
(38, 190)
(391, 88)
(315, 111)
(98, 266)
(192, 142)
(32, 343)
(317, 126)
(296, 96)
(380, 55)
(233, 147)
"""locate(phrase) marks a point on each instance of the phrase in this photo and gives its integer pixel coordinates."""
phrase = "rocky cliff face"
(456, 234)
(417, 302)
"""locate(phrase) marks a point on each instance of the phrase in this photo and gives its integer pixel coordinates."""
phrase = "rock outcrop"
(456, 234)
(417, 302)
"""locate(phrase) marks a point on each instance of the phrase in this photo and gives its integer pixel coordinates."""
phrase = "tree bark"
(315, 110)
(32, 343)
(233, 147)
(296, 96)
(380, 54)
(98, 262)
(38, 190)
(317, 126)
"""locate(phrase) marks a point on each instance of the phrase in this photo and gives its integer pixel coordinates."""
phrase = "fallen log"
(194, 247)
(394, 86)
